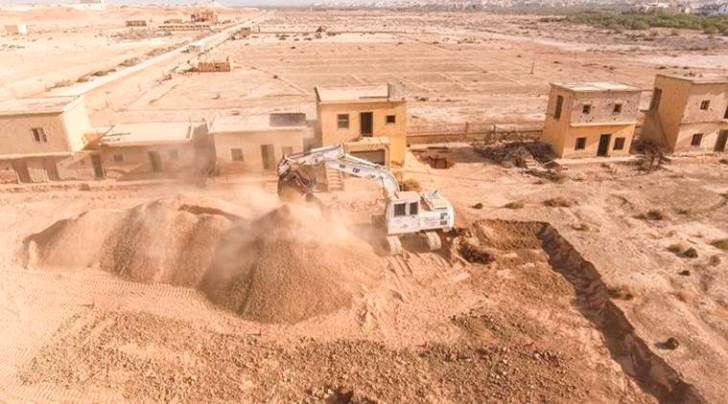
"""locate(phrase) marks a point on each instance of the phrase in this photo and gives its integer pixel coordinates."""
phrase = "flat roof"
(249, 123)
(147, 133)
(41, 105)
(594, 86)
(359, 93)
(709, 79)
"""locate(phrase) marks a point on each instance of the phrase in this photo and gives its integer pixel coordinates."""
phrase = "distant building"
(585, 119)
(141, 150)
(350, 114)
(211, 66)
(136, 23)
(94, 5)
(688, 114)
(16, 29)
(207, 16)
(36, 134)
(256, 143)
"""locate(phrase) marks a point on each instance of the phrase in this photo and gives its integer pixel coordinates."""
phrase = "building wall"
(679, 116)
(77, 126)
(562, 133)
(65, 132)
(137, 163)
(250, 145)
(592, 135)
(710, 133)
(16, 136)
(329, 134)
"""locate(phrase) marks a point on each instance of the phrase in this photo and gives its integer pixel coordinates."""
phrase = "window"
(617, 109)
(414, 208)
(118, 158)
(236, 154)
(173, 154)
(400, 209)
(342, 121)
(559, 105)
(725, 116)
(40, 135)
(619, 143)
(697, 139)
(704, 105)
(586, 109)
(391, 119)
(580, 143)
(655, 103)
(287, 150)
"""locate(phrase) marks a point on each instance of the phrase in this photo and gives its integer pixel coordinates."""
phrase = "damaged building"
(352, 115)
(38, 136)
(152, 149)
(688, 114)
(256, 143)
(588, 119)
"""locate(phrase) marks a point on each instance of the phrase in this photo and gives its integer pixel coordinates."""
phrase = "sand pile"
(286, 266)
(290, 265)
(169, 240)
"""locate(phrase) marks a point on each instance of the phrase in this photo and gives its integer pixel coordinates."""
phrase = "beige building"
(37, 133)
(136, 23)
(350, 114)
(688, 114)
(16, 29)
(256, 143)
(586, 119)
(152, 149)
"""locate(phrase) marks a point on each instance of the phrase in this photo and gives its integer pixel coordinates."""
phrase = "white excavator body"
(406, 212)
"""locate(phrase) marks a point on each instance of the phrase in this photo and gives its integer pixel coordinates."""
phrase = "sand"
(287, 266)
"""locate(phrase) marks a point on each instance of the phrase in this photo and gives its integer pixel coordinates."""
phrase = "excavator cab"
(410, 213)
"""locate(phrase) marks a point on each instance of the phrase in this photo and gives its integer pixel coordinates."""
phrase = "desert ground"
(606, 284)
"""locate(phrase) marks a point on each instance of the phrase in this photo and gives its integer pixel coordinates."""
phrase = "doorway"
(266, 151)
(604, 141)
(51, 170)
(155, 161)
(721, 142)
(366, 120)
(21, 170)
(98, 168)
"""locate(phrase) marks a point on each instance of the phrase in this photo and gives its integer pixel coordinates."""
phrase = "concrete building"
(37, 133)
(136, 23)
(208, 16)
(350, 114)
(151, 149)
(214, 66)
(16, 29)
(688, 114)
(256, 143)
(586, 119)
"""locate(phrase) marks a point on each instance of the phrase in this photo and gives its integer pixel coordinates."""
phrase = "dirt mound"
(290, 265)
(286, 266)
(168, 240)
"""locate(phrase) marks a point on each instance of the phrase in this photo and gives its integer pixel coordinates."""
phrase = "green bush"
(635, 21)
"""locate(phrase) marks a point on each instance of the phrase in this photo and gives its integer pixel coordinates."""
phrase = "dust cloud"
(265, 261)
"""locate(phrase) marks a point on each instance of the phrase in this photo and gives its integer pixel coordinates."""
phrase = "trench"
(654, 375)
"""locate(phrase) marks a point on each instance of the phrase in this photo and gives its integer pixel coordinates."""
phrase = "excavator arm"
(292, 175)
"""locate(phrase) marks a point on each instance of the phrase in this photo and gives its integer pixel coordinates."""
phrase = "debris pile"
(289, 266)
(284, 267)
(525, 155)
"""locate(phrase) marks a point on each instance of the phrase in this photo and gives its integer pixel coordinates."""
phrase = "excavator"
(406, 213)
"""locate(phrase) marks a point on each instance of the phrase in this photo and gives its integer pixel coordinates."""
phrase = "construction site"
(355, 206)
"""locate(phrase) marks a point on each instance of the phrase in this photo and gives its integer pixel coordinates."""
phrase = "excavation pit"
(521, 244)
